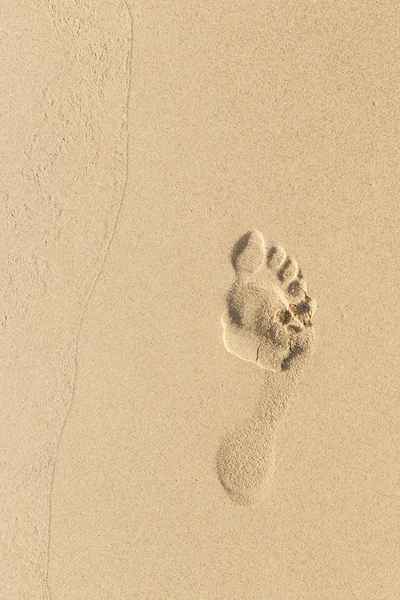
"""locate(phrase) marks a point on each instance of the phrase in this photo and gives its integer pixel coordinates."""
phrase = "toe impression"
(248, 254)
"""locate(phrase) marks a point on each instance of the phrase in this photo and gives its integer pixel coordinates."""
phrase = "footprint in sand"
(268, 322)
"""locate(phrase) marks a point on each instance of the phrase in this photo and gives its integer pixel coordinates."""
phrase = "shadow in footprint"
(238, 248)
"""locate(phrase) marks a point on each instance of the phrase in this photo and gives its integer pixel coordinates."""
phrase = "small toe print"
(306, 310)
(297, 288)
(275, 257)
(289, 270)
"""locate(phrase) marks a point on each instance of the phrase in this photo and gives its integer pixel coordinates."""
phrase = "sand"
(150, 450)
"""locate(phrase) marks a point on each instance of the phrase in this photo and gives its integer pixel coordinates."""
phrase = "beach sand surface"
(276, 117)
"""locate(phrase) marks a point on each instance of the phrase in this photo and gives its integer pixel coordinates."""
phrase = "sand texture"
(199, 280)
(64, 150)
